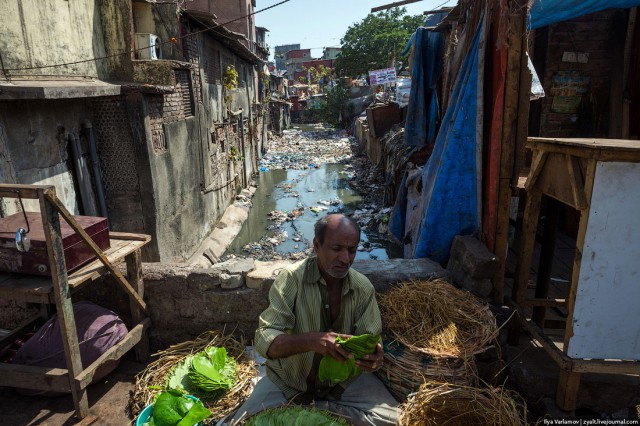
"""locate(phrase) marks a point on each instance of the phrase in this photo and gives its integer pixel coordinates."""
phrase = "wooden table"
(601, 179)
(57, 290)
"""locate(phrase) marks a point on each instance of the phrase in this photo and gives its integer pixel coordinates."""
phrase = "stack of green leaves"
(173, 408)
(209, 374)
(359, 346)
(213, 371)
(295, 416)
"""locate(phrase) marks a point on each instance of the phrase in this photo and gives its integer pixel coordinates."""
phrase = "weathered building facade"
(142, 82)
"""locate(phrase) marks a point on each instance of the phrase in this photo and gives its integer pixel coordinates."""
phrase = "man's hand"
(373, 361)
(327, 346)
(323, 343)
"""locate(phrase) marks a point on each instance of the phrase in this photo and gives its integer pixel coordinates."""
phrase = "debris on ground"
(301, 150)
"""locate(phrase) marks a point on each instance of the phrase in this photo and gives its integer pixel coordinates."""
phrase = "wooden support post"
(62, 294)
(546, 259)
(567, 392)
(525, 252)
(514, 131)
(120, 279)
(134, 275)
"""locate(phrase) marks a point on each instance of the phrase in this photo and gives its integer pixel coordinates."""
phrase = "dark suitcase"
(36, 261)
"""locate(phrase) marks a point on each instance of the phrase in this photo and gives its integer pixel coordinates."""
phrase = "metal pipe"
(95, 165)
(244, 156)
(82, 174)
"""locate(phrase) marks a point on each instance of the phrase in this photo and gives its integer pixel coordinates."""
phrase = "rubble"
(300, 150)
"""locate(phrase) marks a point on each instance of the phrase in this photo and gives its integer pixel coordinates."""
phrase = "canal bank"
(307, 173)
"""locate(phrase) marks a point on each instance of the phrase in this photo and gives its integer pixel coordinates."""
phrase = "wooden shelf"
(37, 289)
(57, 289)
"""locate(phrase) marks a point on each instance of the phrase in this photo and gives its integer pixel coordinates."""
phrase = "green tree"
(368, 45)
(336, 108)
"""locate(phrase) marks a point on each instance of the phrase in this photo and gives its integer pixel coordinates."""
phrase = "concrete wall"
(172, 157)
(45, 32)
(185, 301)
(34, 147)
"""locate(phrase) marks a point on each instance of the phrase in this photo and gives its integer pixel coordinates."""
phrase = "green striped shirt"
(299, 303)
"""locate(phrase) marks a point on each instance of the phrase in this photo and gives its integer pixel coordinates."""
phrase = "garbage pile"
(307, 151)
(300, 150)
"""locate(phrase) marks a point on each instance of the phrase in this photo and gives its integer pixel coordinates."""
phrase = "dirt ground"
(108, 400)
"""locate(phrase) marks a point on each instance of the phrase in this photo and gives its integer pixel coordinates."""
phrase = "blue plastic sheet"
(449, 197)
(422, 112)
(547, 12)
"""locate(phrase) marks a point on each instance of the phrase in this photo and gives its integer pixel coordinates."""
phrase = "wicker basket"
(405, 369)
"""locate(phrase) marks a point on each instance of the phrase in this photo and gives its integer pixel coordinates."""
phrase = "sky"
(316, 24)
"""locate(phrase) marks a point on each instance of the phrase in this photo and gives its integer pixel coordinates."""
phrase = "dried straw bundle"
(404, 370)
(445, 404)
(157, 372)
(436, 318)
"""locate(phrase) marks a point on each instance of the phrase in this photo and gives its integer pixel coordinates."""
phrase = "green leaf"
(173, 408)
(212, 371)
(336, 371)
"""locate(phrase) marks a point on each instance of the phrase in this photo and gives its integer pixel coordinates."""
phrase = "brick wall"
(594, 34)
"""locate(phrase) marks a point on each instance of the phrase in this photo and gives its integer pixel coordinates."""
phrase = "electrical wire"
(135, 50)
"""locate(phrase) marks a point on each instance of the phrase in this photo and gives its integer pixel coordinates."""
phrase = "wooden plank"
(62, 295)
(31, 377)
(514, 132)
(129, 236)
(577, 259)
(134, 274)
(84, 378)
(597, 149)
(536, 168)
(547, 303)
(34, 289)
(527, 242)
(577, 183)
(603, 366)
(555, 180)
(549, 346)
(119, 249)
(120, 279)
(26, 191)
(21, 329)
(567, 392)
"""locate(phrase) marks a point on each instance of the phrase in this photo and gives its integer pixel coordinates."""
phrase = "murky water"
(304, 190)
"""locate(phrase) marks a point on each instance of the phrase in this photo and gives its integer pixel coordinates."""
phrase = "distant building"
(331, 52)
(294, 59)
(280, 51)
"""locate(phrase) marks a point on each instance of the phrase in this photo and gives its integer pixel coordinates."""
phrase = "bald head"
(333, 222)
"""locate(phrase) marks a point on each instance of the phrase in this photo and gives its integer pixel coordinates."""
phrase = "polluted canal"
(307, 173)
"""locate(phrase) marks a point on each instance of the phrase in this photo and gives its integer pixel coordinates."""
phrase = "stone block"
(236, 266)
(203, 279)
(228, 281)
(474, 257)
(265, 273)
(385, 273)
(480, 287)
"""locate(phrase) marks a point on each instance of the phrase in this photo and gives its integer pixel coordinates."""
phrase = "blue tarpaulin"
(422, 112)
(449, 202)
(547, 12)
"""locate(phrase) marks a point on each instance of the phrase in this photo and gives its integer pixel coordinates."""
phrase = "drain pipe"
(244, 155)
(95, 165)
(82, 174)
(239, 114)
